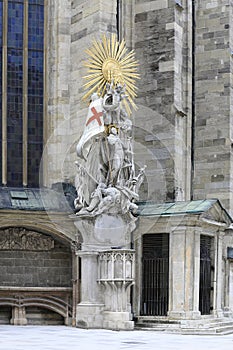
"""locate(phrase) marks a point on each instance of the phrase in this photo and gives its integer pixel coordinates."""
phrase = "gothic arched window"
(21, 90)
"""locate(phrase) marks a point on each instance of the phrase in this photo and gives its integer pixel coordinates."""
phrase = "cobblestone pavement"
(66, 338)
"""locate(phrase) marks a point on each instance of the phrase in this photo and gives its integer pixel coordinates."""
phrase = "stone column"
(184, 274)
(231, 286)
(227, 289)
(89, 310)
(196, 277)
(217, 307)
(75, 280)
(176, 280)
(57, 127)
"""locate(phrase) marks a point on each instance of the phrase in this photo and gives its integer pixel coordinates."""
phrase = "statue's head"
(119, 88)
(113, 130)
(102, 186)
(94, 96)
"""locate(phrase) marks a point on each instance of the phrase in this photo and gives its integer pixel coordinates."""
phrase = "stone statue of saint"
(106, 179)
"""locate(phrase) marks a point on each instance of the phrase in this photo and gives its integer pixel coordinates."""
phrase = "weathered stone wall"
(40, 316)
(90, 19)
(57, 92)
(72, 25)
(24, 268)
(231, 98)
(213, 126)
(162, 134)
(158, 32)
(161, 33)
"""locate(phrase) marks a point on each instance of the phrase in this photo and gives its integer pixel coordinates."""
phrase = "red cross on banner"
(93, 127)
(96, 116)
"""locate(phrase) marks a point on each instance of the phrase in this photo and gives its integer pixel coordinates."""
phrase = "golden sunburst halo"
(110, 61)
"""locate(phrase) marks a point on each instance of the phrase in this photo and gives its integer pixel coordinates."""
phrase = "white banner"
(94, 125)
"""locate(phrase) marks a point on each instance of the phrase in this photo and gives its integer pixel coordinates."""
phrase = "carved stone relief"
(16, 238)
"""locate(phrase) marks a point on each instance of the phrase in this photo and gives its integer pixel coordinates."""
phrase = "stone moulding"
(115, 265)
(57, 299)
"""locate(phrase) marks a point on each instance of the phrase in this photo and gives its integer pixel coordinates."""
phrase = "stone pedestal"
(89, 315)
(118, 320)
(107, 266)
(18, 316)
(105, 231)
(116, 274)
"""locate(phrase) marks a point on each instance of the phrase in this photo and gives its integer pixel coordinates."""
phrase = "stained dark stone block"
(217, 178)
(141, 17)
(77, 18)
(79, 35)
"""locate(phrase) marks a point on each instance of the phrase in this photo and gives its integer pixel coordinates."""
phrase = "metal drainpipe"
(193, 110)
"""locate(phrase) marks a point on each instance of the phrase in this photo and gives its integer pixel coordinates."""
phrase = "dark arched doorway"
(35, 277)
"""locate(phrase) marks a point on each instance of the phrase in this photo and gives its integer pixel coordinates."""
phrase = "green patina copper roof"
(36, 199)
(60, 199)
(176, 208)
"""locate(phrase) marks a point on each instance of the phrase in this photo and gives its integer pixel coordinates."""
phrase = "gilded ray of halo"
(113, 44)
(99, 49)
(128, 56)
(120, 49)
(130, 76)
(93, 56)
(116, 47)
(110, 61)
(96, 61)
(92, 82)
(106, 45)
(92, 90)
(91, 76)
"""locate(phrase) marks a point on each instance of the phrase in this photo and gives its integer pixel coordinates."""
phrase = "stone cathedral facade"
(182, 131)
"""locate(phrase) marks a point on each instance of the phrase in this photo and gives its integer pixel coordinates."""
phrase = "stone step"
(157, 320)
(156, 325)
(158, 329)
(220, 324)
(209, 331)
(197, 331)
(202, 327)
